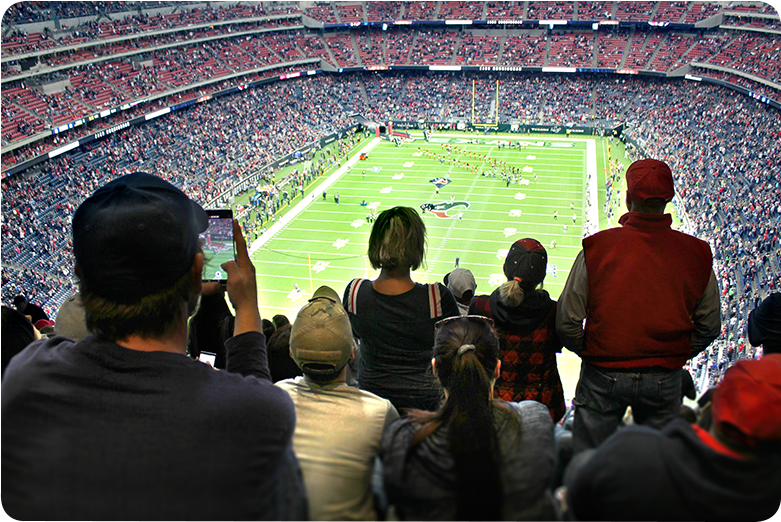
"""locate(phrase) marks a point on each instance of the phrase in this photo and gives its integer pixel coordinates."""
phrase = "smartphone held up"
(218, 244)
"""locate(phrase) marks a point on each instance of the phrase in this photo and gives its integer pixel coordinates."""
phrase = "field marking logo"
(440, 182)
(446, 209)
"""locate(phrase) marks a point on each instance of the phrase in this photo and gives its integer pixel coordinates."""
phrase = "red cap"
(747, 403)
(649, 178)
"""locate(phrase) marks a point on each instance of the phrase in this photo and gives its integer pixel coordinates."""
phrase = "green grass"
(325, 244)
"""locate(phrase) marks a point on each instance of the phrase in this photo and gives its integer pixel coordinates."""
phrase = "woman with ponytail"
(474, 458)
(525, 318)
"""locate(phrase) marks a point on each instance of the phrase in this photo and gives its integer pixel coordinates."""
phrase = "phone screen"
(217, 244)
(208, 358)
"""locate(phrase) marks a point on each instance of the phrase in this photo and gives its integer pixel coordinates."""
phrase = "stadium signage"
(504, 22)
(626, 71)
(500, 68)
(111, 130)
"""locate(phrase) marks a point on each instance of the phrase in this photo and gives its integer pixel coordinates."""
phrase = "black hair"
(151, 316)
(17, 333)
(466, 352)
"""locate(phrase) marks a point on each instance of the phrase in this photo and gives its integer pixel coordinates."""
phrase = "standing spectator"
(525, 319)
(650, 300)
(338, 428)
(123, 423)
(394, 317)
(474, 458)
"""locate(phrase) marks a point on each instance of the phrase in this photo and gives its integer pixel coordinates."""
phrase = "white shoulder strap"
(352, 295)
(435, 300)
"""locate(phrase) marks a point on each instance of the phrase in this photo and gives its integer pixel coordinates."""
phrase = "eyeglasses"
(448, 320)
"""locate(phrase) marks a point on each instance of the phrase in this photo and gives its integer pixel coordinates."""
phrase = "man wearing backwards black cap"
(123, 424)
(339, 428)
(650, 300)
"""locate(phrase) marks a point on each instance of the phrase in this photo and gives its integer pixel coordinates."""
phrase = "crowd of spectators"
(728, 167)
(19, 41)
(203, 150)
(318, 106)
(153, 71)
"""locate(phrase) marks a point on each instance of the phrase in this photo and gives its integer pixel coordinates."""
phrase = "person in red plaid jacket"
(525, 320)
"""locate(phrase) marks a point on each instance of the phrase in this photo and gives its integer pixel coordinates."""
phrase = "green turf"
(326, 243)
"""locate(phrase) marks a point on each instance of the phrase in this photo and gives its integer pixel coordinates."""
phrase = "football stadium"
(570, 208)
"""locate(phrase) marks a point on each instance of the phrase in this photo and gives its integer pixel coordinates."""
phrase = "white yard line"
(295, 211)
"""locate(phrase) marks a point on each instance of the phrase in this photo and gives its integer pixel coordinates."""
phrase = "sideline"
(301, 205)
(591, 175)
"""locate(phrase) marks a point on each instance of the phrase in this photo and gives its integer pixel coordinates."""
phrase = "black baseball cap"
(527, 260)
(136, 236)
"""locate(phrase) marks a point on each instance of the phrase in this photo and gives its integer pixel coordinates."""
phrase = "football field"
(473, 215)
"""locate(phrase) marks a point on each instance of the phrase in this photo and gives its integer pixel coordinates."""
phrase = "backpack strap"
(352, 295)
(434, 300)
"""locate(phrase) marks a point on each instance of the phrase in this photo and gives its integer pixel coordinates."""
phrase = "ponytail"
(511, 293)
(466, 351)
(468, 415)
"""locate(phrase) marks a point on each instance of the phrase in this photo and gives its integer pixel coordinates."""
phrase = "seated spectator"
(730, 472)
(394, 317)
(474, 458)
(280, 320)
(123, 424)
(461, 283)
(268, 328)
(206, 327)
(525, 319)
(764, 324)
(338, 428)
(71, 321)
(32, 310)
(17, 333)
(280, 363)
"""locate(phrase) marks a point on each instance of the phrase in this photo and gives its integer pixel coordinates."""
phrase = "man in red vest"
(650, 300)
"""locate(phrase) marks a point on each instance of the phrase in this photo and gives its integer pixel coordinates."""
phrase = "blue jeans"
(603, 394)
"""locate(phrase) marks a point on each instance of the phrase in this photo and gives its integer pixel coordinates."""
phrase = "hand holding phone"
(208, 358)
(242, 287)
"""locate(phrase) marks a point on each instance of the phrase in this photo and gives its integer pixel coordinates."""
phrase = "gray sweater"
(419, 482)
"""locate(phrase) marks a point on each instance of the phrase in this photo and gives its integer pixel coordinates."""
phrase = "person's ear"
(498, 369)
(196, 273)
(434, 366)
